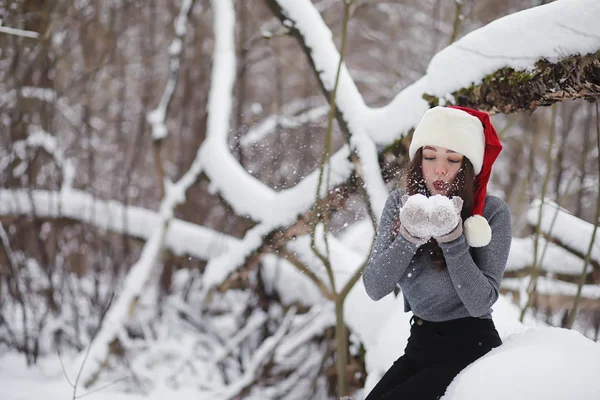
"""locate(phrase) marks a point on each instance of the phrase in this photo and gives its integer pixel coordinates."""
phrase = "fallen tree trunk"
(508, 90)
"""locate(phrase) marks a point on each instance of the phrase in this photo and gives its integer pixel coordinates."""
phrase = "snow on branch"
(316, 38)
(307, 371)
(259, 358)
(568, 231)
(42, 139)
(137, 278)
(384, 125)
(182, 237)
(73, 115)
(496, 67)
(487, 50)
(311, 324)
(245, 194)
(553, 258)
(14, 259)
(219, 268)
(44, 94)
(563, 29)
(548, 286)
(575, 77)
(267, 126)
(220, 102)
(255, 322)
(157, 117)
(285, 211)
(19, 32)
(112, 325)
(369, 127)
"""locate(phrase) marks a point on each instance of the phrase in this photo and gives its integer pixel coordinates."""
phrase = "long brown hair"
(463, 186)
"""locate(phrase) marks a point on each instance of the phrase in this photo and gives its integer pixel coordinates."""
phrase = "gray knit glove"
(414, 219)
(445, 220)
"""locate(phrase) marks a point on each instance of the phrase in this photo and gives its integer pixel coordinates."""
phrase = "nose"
(440, 169)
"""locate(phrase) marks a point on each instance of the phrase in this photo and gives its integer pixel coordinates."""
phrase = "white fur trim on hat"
(453, 129)
(477, 231)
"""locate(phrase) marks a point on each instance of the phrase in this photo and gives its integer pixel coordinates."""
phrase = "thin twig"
(458, 17)
(87, 351)
(573, 311)
(532, 287)
(62, 366)
(287, 255)
(101, 388)
(19, 32)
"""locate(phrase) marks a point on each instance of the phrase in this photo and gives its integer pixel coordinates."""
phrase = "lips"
(440, 185)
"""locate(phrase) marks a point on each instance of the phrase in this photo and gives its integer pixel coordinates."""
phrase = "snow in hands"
(426, 217)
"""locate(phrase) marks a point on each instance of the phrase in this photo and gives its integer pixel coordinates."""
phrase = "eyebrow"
(431, 148)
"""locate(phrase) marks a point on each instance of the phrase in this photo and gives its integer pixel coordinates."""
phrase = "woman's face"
(440, 166)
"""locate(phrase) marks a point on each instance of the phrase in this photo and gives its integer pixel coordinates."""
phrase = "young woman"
(445, 243)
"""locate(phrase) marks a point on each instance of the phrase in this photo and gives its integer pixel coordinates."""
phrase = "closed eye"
(454, 161)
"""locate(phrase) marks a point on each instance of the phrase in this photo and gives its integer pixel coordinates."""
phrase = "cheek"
(454, 173)
(427, 171)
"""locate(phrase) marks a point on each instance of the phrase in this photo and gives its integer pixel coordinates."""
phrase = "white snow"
(570, 24)
(156, 117)
(113, 324)
(541, 363)
(550, 258)
(565, 227)
(38, 93)
(19, 32)
(182, 237)
(437, 203)
(268, 125)
(536, 361)
(552, 31)
(546, 286)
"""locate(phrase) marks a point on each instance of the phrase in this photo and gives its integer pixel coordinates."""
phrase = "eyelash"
(433, 158)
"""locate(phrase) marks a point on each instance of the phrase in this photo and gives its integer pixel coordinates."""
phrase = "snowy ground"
(535, 362)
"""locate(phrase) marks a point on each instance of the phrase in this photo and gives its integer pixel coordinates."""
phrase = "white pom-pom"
(477, 231)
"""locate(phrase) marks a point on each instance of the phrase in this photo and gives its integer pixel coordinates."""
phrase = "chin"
(434, 191)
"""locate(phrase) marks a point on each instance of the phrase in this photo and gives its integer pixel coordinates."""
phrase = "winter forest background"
(170, 215)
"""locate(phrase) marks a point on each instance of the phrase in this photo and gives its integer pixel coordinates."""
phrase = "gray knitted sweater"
(467, 287)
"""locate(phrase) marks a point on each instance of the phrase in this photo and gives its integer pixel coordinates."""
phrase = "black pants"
(436, 352)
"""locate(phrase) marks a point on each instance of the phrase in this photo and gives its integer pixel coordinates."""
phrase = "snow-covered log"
(509, 90)
(565, 230)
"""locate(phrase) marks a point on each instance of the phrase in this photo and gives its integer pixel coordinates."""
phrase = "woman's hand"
(414, 219)
(445, 221)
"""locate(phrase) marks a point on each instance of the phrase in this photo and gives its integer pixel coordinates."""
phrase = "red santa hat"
(470, 133)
